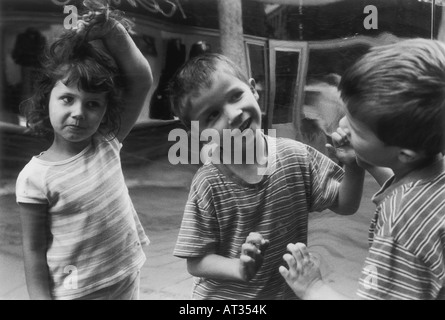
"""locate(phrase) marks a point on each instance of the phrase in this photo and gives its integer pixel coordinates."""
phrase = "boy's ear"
(408, 156)
(252, 88)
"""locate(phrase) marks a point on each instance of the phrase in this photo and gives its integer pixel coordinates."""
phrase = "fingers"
(340, 138)
(257, 239)
(298, 259)
(91, 18)
(249, 249)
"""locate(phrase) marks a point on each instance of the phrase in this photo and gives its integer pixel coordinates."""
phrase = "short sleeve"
(199, 232)
(109, 139)
(326, 177)
(392, 272)
(30, 185)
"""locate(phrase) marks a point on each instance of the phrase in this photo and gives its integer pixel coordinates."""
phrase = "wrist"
(354, 167)
(314, 291)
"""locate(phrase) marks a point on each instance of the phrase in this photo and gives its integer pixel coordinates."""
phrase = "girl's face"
(75, 115)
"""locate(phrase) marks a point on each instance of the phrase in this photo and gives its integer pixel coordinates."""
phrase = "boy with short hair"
(237, 210)
(395, 97)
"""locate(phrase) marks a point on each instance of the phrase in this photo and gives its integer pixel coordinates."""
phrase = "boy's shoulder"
(411, 206)
(287, 145)
(294, 150)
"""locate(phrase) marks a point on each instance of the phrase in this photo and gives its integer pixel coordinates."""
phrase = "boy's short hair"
(398, 90)
(194, 75)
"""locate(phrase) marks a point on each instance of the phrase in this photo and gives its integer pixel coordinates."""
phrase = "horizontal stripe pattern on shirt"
(93, 226)
(222, 210)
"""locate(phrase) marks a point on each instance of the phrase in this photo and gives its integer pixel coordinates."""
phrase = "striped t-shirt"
(94, 233)
(223, 209)
(407, 239)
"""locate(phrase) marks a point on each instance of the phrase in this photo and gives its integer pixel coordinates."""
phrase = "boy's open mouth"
(246, 124)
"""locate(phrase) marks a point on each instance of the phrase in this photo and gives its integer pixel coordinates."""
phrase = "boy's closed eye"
(236, 96)
(212, 116)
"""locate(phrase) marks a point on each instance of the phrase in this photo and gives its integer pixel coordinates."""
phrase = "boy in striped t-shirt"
(395, 97)
(237, 209)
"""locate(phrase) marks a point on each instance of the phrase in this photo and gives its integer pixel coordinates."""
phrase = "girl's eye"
(66, 99)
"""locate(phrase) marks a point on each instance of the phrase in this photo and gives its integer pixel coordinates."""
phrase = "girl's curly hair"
(74, 60)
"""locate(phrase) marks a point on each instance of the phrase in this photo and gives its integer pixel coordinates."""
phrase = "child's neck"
(251, 172)
(417, 171)
(60, 150)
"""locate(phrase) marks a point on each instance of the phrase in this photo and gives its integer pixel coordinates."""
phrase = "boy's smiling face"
(228, 103)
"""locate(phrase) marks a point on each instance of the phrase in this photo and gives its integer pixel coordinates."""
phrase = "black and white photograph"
(230, 150)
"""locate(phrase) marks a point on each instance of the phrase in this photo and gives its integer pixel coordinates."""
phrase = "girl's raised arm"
(134, 67)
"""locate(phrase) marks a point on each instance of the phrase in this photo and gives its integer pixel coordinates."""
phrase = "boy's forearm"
(214, 266)
(350, 192)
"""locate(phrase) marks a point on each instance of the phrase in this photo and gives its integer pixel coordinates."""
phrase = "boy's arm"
(350, 190)
(215, 266)
(351, 187)
(34, 224)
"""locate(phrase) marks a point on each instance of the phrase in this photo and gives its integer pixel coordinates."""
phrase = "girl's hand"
(96, 24)
(252, 255)
(304, 271)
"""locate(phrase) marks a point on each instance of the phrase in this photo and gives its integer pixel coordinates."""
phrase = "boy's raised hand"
(252, 255)
(341, 147)
(304, 271)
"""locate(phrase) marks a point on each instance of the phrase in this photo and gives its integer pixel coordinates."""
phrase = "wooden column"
(231, 31)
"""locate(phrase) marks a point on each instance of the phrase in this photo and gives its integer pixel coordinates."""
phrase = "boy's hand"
(252, 255)
(304, 271)
(341, 148)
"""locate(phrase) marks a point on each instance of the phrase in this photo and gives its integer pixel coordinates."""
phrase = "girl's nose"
(77, 111)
